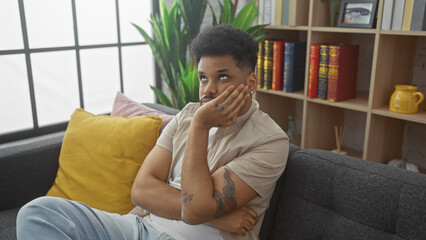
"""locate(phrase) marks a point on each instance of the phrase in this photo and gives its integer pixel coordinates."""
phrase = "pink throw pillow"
(126, 107)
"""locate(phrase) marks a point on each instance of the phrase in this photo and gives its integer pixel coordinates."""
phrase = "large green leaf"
(213, 14)
(246, 16)
(161, 97)
(192, 13)
(227, 13)
(155, 51)
(256, 32)
(190, 78)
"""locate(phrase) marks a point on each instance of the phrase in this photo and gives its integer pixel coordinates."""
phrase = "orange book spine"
(278, 66)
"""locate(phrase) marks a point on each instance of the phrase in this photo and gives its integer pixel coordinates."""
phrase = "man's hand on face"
(223, 110)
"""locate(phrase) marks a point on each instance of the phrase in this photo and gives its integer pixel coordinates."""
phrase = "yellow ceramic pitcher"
(405, 99)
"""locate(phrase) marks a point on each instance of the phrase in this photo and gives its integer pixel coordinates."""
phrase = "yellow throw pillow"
(100, 157)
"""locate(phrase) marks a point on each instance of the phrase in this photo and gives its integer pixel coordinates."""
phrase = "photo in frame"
(357, 13)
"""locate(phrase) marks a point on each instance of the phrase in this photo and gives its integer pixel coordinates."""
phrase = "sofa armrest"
(28, 169)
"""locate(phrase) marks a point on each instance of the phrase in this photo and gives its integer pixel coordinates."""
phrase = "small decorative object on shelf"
(357, 14)
(339, 132)
(405, 99)
(291, 132)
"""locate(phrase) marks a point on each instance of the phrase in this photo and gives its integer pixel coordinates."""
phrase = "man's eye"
(203, 79)
(223, 77)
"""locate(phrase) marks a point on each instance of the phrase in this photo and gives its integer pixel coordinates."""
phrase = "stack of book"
(405, 15)
(333, 71)
(281, 65)
(282, 12)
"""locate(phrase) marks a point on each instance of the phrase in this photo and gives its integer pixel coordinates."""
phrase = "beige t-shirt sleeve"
(261, 167)
(166, 138)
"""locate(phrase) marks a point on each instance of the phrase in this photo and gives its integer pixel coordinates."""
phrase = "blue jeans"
(58, 218)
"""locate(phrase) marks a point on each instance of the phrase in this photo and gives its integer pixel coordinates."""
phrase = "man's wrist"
(199, 125)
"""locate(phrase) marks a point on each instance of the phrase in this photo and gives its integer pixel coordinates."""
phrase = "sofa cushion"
(100, 158)
(8, 224)
(126, 107)
(330, 196)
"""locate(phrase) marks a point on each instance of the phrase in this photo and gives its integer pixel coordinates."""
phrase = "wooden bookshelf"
(386, 58)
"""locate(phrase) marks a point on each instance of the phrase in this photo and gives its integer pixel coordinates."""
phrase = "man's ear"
(252, 82)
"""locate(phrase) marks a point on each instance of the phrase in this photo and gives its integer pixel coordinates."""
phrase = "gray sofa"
(321, 195)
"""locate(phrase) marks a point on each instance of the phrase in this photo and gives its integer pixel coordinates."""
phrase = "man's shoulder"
(188, 110)
(265, 125)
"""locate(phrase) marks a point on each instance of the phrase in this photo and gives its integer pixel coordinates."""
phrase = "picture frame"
(357, 13)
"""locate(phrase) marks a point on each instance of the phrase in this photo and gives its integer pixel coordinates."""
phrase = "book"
(267, 64)
(278, 12)
(387, 14)
(323, 71)
(418, 20)
(267, 12)
(285, 12)
(313, 70)
(294, 66)
(398, 13)
(261, 8)
(272, 11)
(278, 66)
(408, 13)
(259, 67)
(292, 7)
(342, 72)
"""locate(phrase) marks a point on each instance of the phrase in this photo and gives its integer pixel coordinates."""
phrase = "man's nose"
(211, 88)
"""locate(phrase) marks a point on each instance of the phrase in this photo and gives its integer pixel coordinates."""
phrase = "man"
(211, 174)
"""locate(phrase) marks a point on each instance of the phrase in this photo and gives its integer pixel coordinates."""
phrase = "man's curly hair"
(226, 40)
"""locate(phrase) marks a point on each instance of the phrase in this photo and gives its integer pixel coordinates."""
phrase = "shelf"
(297, 95)
(279, 27)
(419, 117)
(360, 103)
(343, 30)
(351, 152)
(403, 33)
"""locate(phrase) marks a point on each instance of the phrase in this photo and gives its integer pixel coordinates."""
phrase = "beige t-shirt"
(255, 148)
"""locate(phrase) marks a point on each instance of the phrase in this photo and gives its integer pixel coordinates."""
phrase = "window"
(56, 56)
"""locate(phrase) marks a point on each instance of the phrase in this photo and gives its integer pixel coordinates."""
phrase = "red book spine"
(278, 66)
(342, 74)
(313, 70)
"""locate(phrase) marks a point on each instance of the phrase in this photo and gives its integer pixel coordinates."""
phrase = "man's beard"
(206, 97)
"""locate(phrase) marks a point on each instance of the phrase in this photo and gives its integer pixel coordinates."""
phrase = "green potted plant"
(173, 31)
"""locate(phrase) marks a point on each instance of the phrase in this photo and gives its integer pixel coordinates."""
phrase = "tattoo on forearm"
(186, 197)
(225, 200)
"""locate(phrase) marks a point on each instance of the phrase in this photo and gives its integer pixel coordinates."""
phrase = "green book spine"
(259, 67)
(323, 72)
(267, 64)
(285, 9)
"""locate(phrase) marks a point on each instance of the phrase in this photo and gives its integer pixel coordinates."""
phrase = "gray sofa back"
(329, 196)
